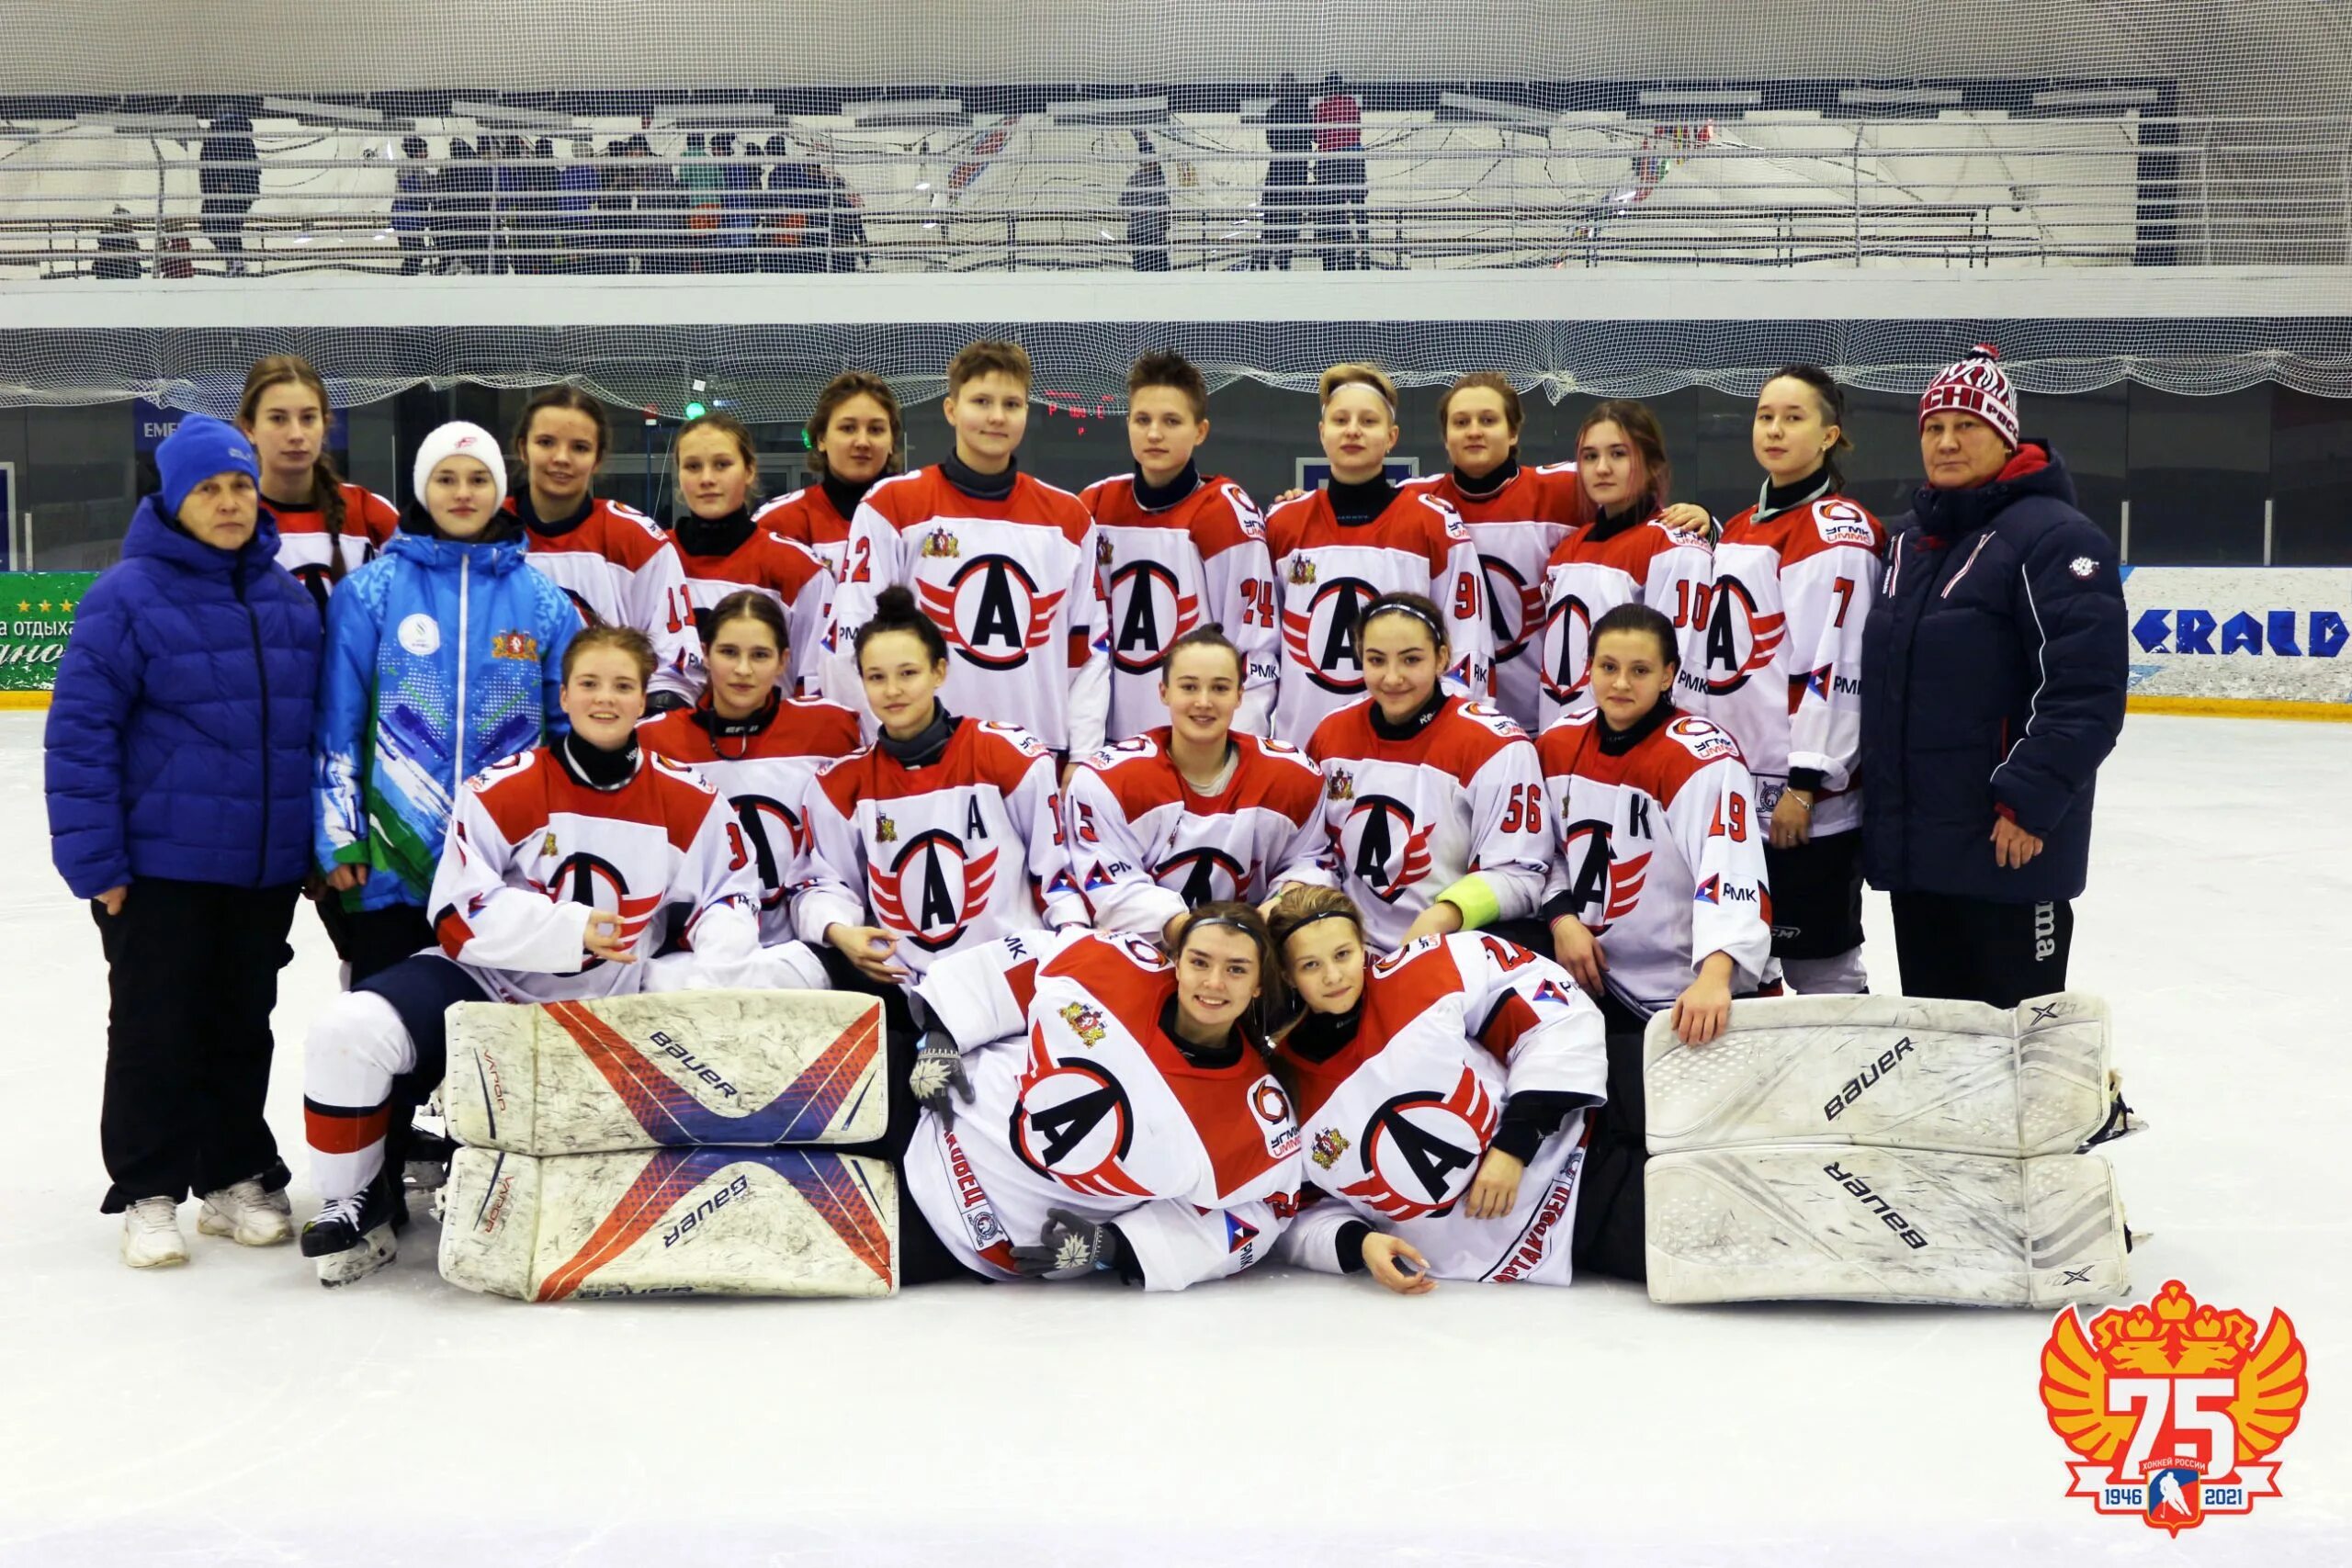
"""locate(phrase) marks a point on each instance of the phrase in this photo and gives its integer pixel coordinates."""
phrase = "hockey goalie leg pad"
(678, 1069)
(1911, 1073)
(1839, 1222)
(670, 1223)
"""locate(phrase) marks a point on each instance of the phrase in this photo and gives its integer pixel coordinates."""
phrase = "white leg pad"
(1917, 1073)
(670, 1223)
(680, 1069)
(1839, 1222)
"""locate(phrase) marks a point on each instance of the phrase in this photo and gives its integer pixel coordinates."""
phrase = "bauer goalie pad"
(1910, 1073)
(670, 1223)
(1841, 1221)
(676, 1070)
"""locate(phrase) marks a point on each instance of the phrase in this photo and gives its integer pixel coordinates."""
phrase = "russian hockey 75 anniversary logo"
(2176, 1408)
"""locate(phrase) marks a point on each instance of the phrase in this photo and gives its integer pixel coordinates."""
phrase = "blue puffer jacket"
(179, 735)
(430, 630)
(1997, 667)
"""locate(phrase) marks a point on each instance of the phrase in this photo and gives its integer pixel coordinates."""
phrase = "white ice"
(233, 1412)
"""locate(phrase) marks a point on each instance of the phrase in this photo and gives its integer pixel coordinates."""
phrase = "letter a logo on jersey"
(1598, 883)
(1072, 1123)
(1740, 641)
(991, 612)
(1387, 853)
(1421, 1150)
(1150, 611)
(2175, 1408)
(1321, 637)
(950, 886)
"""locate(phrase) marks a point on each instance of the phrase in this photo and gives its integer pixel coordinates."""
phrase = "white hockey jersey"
(807, 517)
(765, 771)
(786, 572)
(1013, 586)
(620, 569)
(1591, 574)
(303, 547)
(1203, 559)
(1396, 1120)
(1081, 1102)
(533, 852)
(1326, 572)
(1782, 643)
(1516, 527)
(1145, 847)
(1661, 853)
(1405, 819)
(948, 856)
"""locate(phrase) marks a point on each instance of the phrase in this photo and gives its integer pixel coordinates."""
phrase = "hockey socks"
(355, 1051)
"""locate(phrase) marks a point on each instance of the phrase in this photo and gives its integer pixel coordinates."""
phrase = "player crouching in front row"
(1443, 1091)
(561, 863)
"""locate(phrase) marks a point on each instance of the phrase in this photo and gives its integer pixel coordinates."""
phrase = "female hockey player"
(562, 864)
(724, 551)
(1193, 812)
(1795, 576)
(1629, 553)
(1517, 516)
(1659, 901)
(177, 766)
(1179, 551)
(1004, 566)
(616, 564)
(1432, 804)
(760, 748)
(1337, 547)
(854, 436)
(443, 657)
(326, 529)
(1092, 1106)
(943, 834)
(1440, 1095)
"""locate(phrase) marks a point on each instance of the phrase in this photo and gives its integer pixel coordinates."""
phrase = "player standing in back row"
(1004, 565)
(1179, 551)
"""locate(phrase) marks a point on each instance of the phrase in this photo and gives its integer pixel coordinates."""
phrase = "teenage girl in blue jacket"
(444, 655)
(177, 770)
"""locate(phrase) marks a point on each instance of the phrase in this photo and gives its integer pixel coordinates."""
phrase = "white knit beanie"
(459, 438)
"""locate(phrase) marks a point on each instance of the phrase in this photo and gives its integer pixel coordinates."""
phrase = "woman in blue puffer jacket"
(1998, 667)
(179, 774)
(444, 654)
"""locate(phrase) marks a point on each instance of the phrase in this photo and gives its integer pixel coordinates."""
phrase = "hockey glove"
(938, 1076)
(1071, 1248)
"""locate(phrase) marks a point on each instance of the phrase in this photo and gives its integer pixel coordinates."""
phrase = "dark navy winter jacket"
(1994, 668)
(179, 735)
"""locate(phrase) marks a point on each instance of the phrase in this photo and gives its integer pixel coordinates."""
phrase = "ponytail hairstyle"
(1832, 399)
(327, 484)
(570, 398)
(1274, 1003)
(1208, 635)
(620, 639)
(895, 611)
(1417, 607)
(725, 425)
(747, 604)
(1642, 434)
(842, 389)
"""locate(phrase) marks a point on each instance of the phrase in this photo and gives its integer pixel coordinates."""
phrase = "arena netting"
(829, 158)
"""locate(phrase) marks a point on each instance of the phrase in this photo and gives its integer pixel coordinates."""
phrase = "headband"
(1402, 607)
(1198, 922)
(1348, 915)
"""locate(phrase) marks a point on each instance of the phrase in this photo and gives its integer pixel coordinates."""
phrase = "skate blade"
(374, 1250)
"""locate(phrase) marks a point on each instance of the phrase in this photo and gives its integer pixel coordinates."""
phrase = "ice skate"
(151, 1233)
(246, 1214)
(352, 1237)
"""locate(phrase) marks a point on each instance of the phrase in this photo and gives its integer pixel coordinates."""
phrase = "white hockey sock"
(1840, 974)
(355, 1049)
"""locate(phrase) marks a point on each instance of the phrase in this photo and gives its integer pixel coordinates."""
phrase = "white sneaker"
(151, 1233)
(247, 1215)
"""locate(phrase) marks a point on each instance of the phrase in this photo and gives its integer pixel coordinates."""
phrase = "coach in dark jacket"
(179, 774)
(1995, 661)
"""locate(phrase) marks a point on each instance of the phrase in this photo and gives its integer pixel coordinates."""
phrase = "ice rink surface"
(231, 1412)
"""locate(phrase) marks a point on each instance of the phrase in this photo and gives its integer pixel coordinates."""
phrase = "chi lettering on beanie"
(459, 438)
(201, 447)
(1975, 386)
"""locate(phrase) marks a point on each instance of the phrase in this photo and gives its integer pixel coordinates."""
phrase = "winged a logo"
(2175, 1407)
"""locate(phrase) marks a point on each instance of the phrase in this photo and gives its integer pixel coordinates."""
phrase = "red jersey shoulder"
(906, 500)
(1409, 982)
(1001, 750)
(1123, 971)
(845, 780)
(786, 563)
(1468, 736)
(1836, 520)
(513, 792)
(1290, 522)
(374, 515)
(1223, 516)
(1557, 747)
(1284, 767)
(1347, 733)
(1445, 522)
(1701, 738)
(628, 536)
(1035, 500)
(674, 777)
(676, 736)
(818, 729)
(1108, 500)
